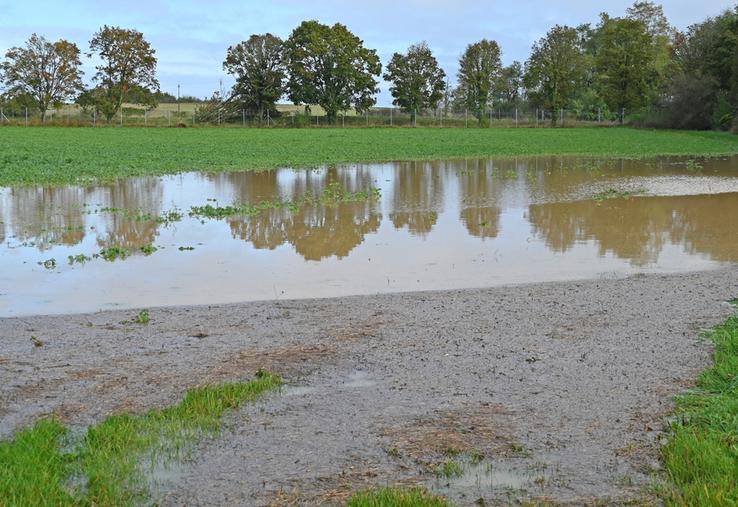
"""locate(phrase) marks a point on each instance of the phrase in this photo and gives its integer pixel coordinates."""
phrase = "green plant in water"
(113, 253)
(78, 259)
(613, 193)
(170, 217)
(148, 249)
(41, 465)
(451, 469)
(397, 497)
(694, 166)
(48, 263)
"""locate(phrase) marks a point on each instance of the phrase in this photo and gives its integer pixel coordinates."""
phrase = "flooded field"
(200, 238)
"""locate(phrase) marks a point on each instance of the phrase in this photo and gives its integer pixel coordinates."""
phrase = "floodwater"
(436, 225)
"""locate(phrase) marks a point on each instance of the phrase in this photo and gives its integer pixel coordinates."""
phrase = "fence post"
(94, 117)
(516, 116)
(391, 108)
(415, 117)
(26, 117)
(193, 116)
(243, 117)
(343, 119)
(121, 116)
(466, 118)
(367, 116)
(146, 118)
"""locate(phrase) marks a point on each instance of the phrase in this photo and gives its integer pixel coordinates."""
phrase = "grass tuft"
(701, 456)
(105, 468)
(397, 497)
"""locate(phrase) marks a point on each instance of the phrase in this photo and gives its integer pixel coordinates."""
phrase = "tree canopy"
(417, 81)
(259, 68)
(625, 64)
(128, 62)
(555, 69)
(329, 66)
(47, 72)
(480, 72)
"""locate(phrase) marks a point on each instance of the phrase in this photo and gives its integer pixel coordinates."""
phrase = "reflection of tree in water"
(479, 191)
(137, 195)
(48, 215)
(706, 224)
(637, 229)
(316, 231)
(320, 231)
(417, 196)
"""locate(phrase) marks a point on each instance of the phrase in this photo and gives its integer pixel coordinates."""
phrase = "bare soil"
(562, 388)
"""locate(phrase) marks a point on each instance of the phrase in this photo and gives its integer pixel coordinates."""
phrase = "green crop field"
(55, 155)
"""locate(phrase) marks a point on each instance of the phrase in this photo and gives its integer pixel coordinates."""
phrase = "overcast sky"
(191, 37)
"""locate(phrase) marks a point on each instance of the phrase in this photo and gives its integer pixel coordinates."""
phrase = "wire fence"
(169, 115)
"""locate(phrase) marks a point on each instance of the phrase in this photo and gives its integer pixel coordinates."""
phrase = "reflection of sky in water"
(438, 225)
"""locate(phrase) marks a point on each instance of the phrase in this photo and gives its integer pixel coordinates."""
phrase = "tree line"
(636, 66)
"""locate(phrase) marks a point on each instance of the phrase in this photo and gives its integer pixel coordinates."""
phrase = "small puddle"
(358, 379)
(295, 390)
(488, 476)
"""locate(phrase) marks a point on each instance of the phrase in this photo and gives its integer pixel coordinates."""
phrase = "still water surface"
(436, 225)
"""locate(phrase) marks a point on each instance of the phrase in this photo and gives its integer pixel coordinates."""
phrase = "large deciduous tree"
(259, 68)
(555, 69)
(625, 64)
(480, 69)
(128, 63)
(329, 66)
(417, 80)
(49, 72)
(510, 83)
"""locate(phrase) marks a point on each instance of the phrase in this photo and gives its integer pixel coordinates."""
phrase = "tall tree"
(128, 61)
(662, 37)
(259, 69)
(510, 83)
(47, 71)
(625, 64)
(479, 74)
(653, 18)
(417, 80)
(329, 66)
(555, 69)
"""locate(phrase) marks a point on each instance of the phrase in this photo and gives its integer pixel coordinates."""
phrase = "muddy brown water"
(437, 225)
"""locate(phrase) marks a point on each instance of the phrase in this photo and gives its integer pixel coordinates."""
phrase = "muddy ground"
(562, 387)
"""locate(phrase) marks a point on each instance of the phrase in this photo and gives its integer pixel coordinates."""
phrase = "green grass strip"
(701, 456)
(39, 467)
(57, 155)
(398, 497)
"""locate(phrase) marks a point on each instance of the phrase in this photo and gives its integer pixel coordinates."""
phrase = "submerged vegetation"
(332, 195)
(73, 156)
(613, 193)
(48, 464)
(701, 456)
